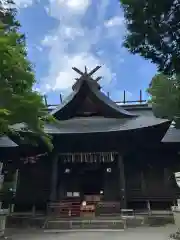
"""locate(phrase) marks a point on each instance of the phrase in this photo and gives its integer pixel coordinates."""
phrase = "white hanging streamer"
(88, 157)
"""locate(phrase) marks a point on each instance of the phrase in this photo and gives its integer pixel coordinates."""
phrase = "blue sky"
(66, 33)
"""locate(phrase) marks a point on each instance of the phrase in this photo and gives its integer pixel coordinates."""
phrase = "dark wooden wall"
(34, 185)
(149, 176)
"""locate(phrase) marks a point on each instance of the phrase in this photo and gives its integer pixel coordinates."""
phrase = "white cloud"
(79, 5)
(115, 21)
(48, 40)
(39, 48)
(18, 4)
(80, 62)
(115, 27)
(67, 10)
(70, 45)
(23, 3)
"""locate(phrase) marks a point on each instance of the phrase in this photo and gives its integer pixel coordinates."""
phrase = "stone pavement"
(141, 233)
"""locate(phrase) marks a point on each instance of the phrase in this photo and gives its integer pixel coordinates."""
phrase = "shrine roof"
(172, 135)
(101, 124)
(87, 89)
(7, 142)
(95, 124)
(89, 110)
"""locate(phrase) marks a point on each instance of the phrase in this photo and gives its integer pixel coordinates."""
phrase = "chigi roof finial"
(94, 70)
(86, 76)
(86, 72)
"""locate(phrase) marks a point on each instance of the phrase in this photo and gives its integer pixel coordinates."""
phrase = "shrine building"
(103, 152)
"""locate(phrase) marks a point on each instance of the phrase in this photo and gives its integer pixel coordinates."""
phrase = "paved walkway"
(143, 233)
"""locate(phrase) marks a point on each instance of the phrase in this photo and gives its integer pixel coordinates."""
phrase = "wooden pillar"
(1, 180)
(15, 180)
(143, 182)
(54, 176)
(14, 189)
(61, 190)
(166, 177)
(122, 182)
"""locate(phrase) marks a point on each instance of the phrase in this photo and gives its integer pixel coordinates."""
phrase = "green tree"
(18, 102)
(153, 31)
(165, 96)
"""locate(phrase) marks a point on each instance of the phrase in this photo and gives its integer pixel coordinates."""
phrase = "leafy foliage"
(153, 31)
(18, 102)
(165, 96)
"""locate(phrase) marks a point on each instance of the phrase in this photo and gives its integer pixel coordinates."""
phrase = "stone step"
(81, 230)
(86, 224)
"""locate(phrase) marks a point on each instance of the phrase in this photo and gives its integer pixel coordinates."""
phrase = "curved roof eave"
(172, 135)
(67, 100)
(102, 125)
(6, 142)
(106, 100)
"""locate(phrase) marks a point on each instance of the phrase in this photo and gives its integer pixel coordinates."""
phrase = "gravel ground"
(141, 233)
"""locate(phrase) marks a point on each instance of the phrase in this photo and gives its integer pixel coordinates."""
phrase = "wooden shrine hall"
(103, 153)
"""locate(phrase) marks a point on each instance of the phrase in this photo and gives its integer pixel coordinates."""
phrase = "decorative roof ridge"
(87, 83)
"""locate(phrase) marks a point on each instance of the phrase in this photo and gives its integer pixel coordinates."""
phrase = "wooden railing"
(65, 208)
(108, 208)
(73, 208)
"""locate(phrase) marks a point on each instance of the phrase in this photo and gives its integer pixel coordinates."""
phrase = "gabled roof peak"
(86, 77)
(87, 98)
